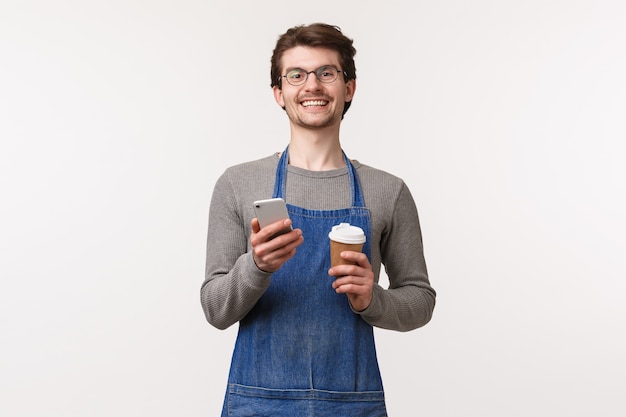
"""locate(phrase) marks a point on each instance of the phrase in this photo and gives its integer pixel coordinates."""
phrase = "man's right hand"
(270, 254)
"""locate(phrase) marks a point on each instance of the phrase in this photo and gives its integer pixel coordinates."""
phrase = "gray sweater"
(233, 283)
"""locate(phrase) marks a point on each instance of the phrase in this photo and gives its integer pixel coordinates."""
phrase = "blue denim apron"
(301, 351)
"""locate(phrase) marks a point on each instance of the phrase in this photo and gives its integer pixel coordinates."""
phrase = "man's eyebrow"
(300, 68)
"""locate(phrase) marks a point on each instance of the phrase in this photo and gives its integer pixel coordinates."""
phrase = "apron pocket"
(260, 402)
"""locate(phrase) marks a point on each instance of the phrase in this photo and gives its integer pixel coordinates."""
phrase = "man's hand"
(356, 281)
(269, 255)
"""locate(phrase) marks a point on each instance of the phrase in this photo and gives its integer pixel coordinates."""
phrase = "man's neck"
(315, 150)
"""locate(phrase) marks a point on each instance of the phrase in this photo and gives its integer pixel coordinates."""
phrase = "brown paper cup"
(335, 252)
(344, 237)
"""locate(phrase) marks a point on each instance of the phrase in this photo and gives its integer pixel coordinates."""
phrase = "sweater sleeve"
(409, 301)
(233, 283)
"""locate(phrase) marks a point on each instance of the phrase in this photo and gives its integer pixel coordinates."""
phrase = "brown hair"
(318, 35)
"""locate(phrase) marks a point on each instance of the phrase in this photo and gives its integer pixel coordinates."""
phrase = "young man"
(305, 344)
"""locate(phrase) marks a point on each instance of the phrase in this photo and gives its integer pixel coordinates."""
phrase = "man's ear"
(350, 89)
(278, 96)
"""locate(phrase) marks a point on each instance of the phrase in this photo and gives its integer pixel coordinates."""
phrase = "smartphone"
(271, 210)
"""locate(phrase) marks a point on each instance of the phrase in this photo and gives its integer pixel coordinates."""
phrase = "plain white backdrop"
(506, 119)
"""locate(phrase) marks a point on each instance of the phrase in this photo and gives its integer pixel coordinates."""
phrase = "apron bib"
(301, 351)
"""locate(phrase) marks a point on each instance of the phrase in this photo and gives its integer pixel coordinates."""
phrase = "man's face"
(314, 104)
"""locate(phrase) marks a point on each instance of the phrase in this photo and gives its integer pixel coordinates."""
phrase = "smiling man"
(305, 345)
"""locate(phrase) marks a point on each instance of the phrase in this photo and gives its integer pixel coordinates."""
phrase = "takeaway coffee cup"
(344, 237)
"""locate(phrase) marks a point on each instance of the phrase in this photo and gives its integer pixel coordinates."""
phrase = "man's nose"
(312, 80)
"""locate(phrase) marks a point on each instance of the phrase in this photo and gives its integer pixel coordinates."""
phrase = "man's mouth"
(312, 103)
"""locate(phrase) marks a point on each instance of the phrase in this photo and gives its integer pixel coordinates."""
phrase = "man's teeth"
(313, 103)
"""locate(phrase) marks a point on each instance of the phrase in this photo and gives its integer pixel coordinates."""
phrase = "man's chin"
(315, 122)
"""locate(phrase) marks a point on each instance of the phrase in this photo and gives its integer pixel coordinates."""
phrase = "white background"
(506, 119)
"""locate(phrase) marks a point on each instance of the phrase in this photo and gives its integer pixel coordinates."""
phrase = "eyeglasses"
(325, 74)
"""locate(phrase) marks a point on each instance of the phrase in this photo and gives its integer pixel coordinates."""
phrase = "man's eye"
(327, 72)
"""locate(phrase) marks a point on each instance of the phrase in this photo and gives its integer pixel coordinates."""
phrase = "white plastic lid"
(345, 233)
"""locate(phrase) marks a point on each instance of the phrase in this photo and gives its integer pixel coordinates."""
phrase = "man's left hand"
(356, 281)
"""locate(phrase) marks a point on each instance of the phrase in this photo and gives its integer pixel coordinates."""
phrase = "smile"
(310, 103)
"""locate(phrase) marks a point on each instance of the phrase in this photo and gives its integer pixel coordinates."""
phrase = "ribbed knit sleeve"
(409, 301)
(233, 283)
